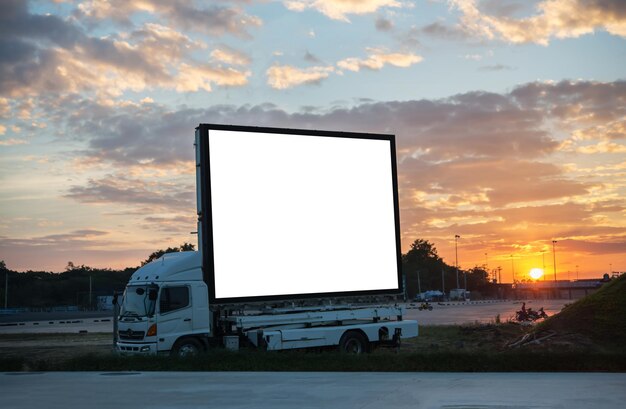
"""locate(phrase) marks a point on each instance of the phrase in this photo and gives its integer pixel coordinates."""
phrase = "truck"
(298, 247)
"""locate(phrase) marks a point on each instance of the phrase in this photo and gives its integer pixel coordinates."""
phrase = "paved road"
(440, 315)
(237, 390)
(53, 316)
(460, 313)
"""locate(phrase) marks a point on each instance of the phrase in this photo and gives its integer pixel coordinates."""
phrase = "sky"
(510, 119)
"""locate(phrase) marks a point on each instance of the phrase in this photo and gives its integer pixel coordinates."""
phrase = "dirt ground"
(54, 347)
(60, 346)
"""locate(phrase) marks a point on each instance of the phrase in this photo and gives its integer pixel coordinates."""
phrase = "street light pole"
(513, 268)
(443, 285)
(456, 257)
(6, 289)
(487, 266)
(554, 256)
(419, 285)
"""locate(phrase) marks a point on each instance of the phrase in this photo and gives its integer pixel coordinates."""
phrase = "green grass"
(600, 316)
(598, 320)
(510, 361)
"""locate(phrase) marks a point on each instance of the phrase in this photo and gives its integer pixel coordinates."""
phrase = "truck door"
(175, 313)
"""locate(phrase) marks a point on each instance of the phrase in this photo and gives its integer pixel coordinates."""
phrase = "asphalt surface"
(53, 316)
(442, 314)
(479, 311)
(235, 390)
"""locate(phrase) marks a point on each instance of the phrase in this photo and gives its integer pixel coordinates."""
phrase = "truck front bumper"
(137, 348)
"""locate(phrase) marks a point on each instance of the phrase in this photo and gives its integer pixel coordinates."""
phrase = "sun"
(536, 273)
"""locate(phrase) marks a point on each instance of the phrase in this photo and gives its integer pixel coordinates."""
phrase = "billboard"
(290, 214)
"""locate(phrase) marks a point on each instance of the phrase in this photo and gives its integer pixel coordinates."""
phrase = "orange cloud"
(339, 9)
(287, 76)
(554, 18)
(377, 59)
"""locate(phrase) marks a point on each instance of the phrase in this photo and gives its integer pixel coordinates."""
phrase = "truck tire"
(353, 342)
(186, 347)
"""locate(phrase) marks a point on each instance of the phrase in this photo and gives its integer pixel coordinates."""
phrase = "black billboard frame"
(206, 216)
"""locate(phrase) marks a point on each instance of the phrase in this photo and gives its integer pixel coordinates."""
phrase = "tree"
(423, 258)
(157, 254)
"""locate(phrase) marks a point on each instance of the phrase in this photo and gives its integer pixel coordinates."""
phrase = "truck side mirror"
(153, 294)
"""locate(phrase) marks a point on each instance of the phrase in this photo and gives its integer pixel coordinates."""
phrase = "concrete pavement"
(236, 390)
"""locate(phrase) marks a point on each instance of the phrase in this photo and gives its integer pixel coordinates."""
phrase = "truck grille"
(131, 335)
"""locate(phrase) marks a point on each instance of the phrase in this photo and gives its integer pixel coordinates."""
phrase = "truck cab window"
(173, 298)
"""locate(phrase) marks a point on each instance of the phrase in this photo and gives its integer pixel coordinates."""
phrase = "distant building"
(105, 303)
(459, 294)
(560, 289)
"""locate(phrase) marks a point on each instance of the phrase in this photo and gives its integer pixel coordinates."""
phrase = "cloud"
(481, 164)
(195, 77)
(45, 54)
(308, 57)
(120, 189)
(92, 247)
(228, 55)
(472, 125)
(213, 20)
(287, 76)
(496, 67)
(554, 18)
(605, 132)
(602, 147)
(383, 24)
(339, 9)
(11, 141)
(377, 59)
(443, 31)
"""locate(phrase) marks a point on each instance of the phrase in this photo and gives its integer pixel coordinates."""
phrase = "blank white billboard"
(298, 214)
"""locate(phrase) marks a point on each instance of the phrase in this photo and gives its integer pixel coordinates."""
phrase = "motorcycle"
(530, 315)
(425, 306)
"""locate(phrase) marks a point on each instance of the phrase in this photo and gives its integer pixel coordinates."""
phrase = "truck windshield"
(137, 302)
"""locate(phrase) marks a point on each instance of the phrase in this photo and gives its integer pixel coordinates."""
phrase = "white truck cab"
(165, 301)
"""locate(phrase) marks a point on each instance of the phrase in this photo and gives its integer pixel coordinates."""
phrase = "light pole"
(513, 268)
(456, 257)
(554, 257)
(419, 284)
(576, 272)
(443, 284)
(543, 262)
(6, 289)
(487, 266)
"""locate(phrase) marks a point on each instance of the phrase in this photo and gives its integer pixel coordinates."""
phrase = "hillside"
(600, 317)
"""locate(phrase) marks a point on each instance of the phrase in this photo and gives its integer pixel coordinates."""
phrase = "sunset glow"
(536, 273)
(510, 120)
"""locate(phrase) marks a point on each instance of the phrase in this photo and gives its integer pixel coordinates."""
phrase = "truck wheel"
(186, 347)
(353, 342)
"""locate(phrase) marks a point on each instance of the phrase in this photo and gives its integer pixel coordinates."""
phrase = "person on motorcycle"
(522, 315)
